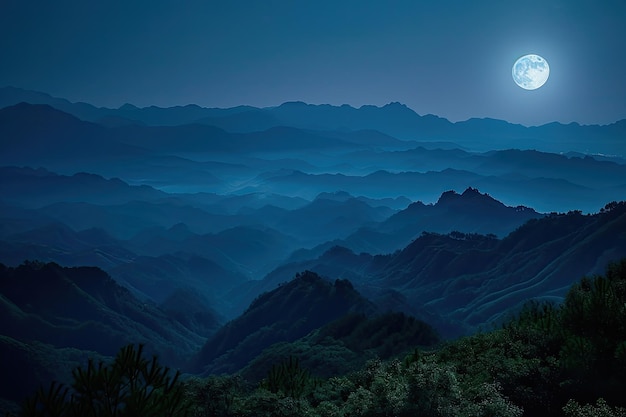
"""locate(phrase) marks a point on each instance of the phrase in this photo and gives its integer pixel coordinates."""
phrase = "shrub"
(600, 409)
(215, 396)
(130, 386)
(289, 378)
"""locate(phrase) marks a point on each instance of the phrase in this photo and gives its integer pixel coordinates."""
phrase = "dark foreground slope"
(53, 318)
(563, 360)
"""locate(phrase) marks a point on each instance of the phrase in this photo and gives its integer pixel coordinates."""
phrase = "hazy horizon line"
(359, 107)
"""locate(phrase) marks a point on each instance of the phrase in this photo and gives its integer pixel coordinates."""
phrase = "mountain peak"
(396, 105)
(446, 195)
(472, 192)
(469, 195)
(294, 104)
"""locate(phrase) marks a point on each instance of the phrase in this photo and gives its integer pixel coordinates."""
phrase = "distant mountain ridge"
(301, 163)
(47, 135)
(394, 119)
(468, 212)
(36, 187)
(543, 193)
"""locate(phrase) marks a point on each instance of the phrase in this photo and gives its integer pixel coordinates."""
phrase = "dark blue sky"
(449, 58)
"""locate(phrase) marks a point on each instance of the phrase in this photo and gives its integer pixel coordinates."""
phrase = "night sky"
(449, 58)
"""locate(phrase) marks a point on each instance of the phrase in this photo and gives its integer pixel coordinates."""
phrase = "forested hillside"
(552, 360)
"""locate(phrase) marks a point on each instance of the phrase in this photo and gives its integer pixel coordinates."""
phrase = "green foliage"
(346, 344)
(500, 356)
(286, 314)
(325, 359)
(546, 361)
(600, 409)
(549, 354)
(264, 403)
(289, 379)
(424, 387)
(130, 386)
(215, 396)
(593, 322)
(388, 334)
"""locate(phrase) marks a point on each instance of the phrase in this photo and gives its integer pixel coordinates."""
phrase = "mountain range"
(393, 119)
(227, 240)
(462, 281)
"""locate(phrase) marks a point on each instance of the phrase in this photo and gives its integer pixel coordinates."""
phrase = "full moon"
(531, 72)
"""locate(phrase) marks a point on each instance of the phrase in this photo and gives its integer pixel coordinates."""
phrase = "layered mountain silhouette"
(183, 228)
(544, 193)
(136, 244)
(470, 212)
(47, 136)
(290, 161)
(461, 281)
(394, 119)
